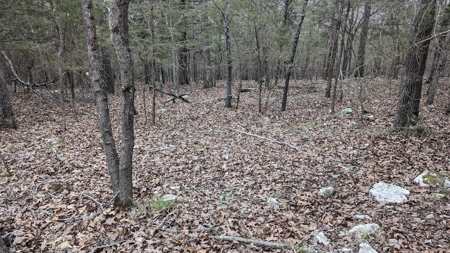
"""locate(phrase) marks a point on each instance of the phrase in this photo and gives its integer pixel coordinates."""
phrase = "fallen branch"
(260, 243)
(182, 97)
(267, 139)
(93, 199)
(59, 157)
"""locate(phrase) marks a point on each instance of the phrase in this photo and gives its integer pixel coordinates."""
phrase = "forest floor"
(58, 198)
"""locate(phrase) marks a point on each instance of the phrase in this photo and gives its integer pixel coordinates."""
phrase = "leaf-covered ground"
(58, 198)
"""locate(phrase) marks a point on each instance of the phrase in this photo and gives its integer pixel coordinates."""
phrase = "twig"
(267, 139)
(105, 246)
(93, 199)
(260, 243)
(59, 157)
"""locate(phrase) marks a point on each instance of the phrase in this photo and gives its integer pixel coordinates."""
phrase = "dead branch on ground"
(260, 243)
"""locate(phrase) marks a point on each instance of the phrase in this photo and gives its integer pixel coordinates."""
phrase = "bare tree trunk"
(260, 80)
(416, 58)
(207, 76)
(109, 76)
(440, 55)
(291, 60)
(120, 168)
(335, 67)
(334, 49)
(60, 71)
(226, 24)
(118, 25)
(6, 110)
(362, 41)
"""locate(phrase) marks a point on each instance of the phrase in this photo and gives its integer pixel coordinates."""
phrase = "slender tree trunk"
(118, 25)
(109, 76)
(416, 58)
(226, 24)
(260, 74)
(362, 40)
(333, 51)
(183, 76)
(335, 67)
(440, 55)
(60, 70)
(6, 111)
(291, 60)
(207, 76)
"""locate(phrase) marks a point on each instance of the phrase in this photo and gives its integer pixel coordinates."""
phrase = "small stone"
(419, 178)
(429, 216)
(169, 197)
(352, 124)
(51, 140)
(364, 230)
(272, 201)
(326, 192)
(175, 187)
(366, 248)
(362, 217)
(347, 111)
(319, 236)
(447, 183)
(389, 192)
(392, 242)
(345, 250)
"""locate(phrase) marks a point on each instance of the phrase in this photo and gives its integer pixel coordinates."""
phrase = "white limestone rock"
(364, 230)
(319, 237)
(326, 192)
(419, 178)
(366, 248)
(389, 192)
(169, 197)
(347, 111)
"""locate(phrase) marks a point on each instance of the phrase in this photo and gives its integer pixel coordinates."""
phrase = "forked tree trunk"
(120, 168)
(416, 58)
(6, 110)
(291, 60)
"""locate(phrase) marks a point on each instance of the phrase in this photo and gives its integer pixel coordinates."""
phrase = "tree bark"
(120, 168)
(6, 111)
(291, 60)
(207, 76)
(183, 75)
(362, 41)
(226, 24)
(415, 62)
(107, 69)
(333, 49)
(118, 25)
(440, 56)
(60, 63)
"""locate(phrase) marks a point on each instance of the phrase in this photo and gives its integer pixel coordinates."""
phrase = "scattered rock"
(392, 242)
(319, 237)
(175, 187)
(364, 230)
(433, 178)
(347, 111)
(352, 124)
(362, 217)
(345, 250)
(389, 192)
(273, 202)
(419, 178)
(53, 139)
(169, 197)
(366, 248)
(368, 117)
(326, 192)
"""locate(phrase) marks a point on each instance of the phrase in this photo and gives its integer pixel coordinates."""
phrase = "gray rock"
(366, 248)
(273, 202)
(389, 192)
(392, 242)
(352, 124)
(319, 237)
(419, 178)
(447, 183)
(345, 250)
(362, 217)
(326, 192)
(347, 111)
(364, 230)
(169, 197)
